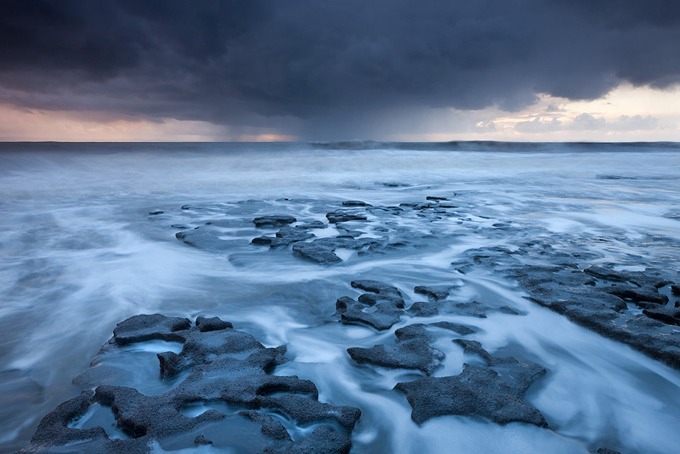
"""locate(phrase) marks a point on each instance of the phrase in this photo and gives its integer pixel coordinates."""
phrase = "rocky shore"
(223, 389)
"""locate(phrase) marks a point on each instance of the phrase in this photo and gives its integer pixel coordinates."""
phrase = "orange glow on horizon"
(626, 113)
(20, 124)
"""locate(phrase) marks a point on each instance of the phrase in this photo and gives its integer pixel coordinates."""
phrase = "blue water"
(80, 252)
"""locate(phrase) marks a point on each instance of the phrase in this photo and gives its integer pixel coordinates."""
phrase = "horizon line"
(330, 142)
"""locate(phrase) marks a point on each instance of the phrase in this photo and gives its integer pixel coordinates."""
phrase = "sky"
(310, 70)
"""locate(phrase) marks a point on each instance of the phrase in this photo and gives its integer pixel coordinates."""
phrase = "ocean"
(89, 239)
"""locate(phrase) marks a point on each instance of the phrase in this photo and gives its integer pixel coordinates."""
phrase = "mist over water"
(80, 253)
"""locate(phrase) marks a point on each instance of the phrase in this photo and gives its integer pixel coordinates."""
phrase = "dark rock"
(273, 221)
(508, 310)
(675, 289)
(337, 216)
(638, 295)
(270, 427)
(155, 213)
(262, 240)
(424, 309)
(323, 439)
(222, 365)
(436, 293)
(425, 206)
(412, 351)
(151, 416)
(455, 327)
(471, 309)
(212, 324)
(605, 273)
(412, 331)
(372, 299)
(495, 391)
(201, 440)
(312, 225)
(141, 328)
(201, 345)
(201, 238)
(348, 233)
(293, 234)
(316, 253)
(606, 451)
(381, 316)
(321, 250)
(284, 237)
(602, 308)
(307, 411)
(53, 429)
(667, 315)
(388, 210)
(355, 203)
(647, 280)
(375, 287)
(474, 348)
(435, 198)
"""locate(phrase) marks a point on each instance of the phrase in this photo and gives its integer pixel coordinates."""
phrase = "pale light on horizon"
(626, 113)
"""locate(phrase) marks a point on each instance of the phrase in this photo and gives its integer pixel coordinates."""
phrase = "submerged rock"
(606, 451)
(355, 203)
(436, 293)
(274, 220)
(338, 216)
(201, 238)
(318, 253)
(312, 225)
(284, 237)
(455, 327)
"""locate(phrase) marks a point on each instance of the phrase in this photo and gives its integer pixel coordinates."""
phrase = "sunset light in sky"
(274, 71)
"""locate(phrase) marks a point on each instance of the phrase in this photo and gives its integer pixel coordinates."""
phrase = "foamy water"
(81, 253)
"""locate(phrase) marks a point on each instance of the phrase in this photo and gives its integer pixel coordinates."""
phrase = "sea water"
(80, 252)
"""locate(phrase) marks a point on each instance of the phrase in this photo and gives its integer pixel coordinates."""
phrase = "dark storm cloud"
(241, 62)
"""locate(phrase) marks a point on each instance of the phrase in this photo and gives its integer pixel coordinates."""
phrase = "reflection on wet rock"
(228, 372)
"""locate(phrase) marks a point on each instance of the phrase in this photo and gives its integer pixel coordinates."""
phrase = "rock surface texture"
(494, 390)
(225, 371)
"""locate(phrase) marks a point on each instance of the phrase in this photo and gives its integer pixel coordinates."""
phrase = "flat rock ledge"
(380, 307)
(223, 368)
(412, 351)
(494, 390)
(632, 307)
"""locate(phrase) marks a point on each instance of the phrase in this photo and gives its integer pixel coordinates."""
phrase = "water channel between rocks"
(486, 240)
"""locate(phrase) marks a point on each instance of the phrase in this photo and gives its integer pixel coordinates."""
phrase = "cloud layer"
(322, 69)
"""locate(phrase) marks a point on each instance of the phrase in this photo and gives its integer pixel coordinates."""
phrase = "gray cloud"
(537, 125)
(320, 68)
(588, 122)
